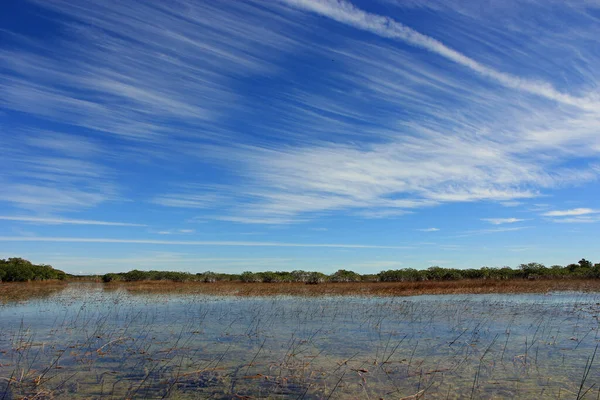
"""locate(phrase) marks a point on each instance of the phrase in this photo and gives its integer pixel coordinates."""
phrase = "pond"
(88, 342)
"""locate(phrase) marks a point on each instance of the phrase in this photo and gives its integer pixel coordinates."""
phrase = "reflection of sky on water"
(517, 338)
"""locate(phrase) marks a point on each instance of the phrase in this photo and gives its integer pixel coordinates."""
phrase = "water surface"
(89, 342)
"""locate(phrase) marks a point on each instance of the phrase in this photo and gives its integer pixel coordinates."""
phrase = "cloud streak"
(500, 221)
(346, 13)
(56, 171)
(489, 231)
(234, 113)
(117, 73)
(184, 200)
(571, 212)
(390, 179)
(191, 242)
(67, 221)
(584, 219)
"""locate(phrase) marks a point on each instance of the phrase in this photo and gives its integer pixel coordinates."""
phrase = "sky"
(320, 135)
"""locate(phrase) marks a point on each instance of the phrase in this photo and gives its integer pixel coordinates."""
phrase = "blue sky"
(299, 134)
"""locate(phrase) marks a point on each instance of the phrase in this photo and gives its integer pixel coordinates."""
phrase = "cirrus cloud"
(571, 212)
(500, 221)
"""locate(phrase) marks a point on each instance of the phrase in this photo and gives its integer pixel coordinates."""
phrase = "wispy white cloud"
(443, 152)
(511, 203)
(574, 216)
(583, 219)
(61, 221)
(61, 143)
(56, 171)
(68, 197)
(500, 221)
(539, 207)
(451, 247)
(123, 75)
(379, 131)
(489, 231)
(518, 249)
(439, 155)
(186, 200)
(382, 213)
(174, 232)
(258, 219)
(191, 242)
(396, 177)
(571, 212)
(428, 229)
(345, 12)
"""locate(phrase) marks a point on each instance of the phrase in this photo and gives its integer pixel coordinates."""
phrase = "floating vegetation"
(87, 342)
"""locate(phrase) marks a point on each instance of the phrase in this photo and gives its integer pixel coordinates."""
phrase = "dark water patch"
(5, 390)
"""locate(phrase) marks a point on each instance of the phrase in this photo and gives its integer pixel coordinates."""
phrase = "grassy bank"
(467, 286)
(21, 291)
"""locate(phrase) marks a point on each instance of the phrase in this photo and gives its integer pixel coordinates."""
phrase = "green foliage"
(442, 274)
(269, 277)
(583, 269)
(111, 277)
(248, 276)
(21, 270)
(343, 275)
(402, 275)
(369, 277)
(533, 270)
(208, 277)
(300, 276)
(139, 276)
(314, 278)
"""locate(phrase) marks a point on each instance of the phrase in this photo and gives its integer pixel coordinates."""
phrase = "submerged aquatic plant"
(89, 342)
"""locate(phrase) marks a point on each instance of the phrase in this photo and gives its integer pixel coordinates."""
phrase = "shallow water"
(90, 343)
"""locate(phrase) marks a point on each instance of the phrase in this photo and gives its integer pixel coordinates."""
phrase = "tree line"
(21, 270)
(583, 269)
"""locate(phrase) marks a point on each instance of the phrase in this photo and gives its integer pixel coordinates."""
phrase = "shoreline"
(19, 291)
(379, 289)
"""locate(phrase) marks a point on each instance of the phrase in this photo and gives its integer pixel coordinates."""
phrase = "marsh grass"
(153, 341)
(467, 286)
(22, 291)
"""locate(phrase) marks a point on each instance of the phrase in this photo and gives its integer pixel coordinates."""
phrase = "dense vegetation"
(582, 269)
(20, 270)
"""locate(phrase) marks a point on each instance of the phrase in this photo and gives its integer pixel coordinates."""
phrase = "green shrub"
(21, 270)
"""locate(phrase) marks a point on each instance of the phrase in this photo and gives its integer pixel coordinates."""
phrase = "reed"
(467, 286)
(224, 340)
(21, 291)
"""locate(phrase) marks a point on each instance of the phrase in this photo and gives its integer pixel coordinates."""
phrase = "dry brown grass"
(14, 292)
(361, 288)
(21, 291)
